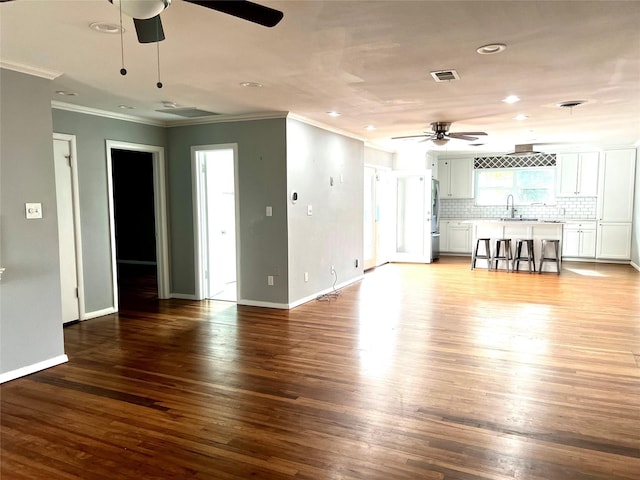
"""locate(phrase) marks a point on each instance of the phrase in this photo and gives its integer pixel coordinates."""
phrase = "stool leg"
(541, 256)
(556, 245)
(532, 256)
(475, 254)
(487, 248)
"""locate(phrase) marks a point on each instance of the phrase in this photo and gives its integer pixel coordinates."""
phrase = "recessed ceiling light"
(370, 127)
(104, 27)
(511, 99)
(169, 104)
(251, 84)
(126, 107)
(333, 113)
(521, 117)
(491, 49)
(66, 93)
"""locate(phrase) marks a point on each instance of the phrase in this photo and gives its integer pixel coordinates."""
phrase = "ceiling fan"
(441, 134)
(146, 14)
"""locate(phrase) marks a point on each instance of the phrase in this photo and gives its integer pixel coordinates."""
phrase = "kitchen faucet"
(513, 211)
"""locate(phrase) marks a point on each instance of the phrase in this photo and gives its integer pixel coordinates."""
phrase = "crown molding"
(69, 107)
(324, 126)
(30, 70)
(245, 117)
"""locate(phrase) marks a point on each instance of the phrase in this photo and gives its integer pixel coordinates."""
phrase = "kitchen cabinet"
(456, 177)
(455, 236)
(616, 184)
(579, 240)
(614, 241)
(577, 174)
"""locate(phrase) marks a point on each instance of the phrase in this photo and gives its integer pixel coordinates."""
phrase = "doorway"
(69, 239)
(377, 215)
(215, 221)
(138, 219)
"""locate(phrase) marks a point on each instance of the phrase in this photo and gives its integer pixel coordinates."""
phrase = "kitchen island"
(515, 229)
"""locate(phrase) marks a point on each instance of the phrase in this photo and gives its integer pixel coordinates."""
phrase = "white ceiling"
(369, 60)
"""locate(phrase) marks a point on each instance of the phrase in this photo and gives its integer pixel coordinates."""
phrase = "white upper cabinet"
(617, 178)
(578, 174)
(456, 177)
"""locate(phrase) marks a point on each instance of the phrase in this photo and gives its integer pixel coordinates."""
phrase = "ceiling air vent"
(187, 112)
(445, 75)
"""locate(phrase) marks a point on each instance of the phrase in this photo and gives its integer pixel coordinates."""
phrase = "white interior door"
(216, 223)
(413, 217)
(66, 230)
(370, 218)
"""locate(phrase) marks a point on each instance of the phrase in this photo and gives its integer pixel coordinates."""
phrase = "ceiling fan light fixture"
(440, 141)
(142, 9)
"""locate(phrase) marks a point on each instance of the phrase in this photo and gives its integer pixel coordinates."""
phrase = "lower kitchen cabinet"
(579, 240)
(455, 237)
(614, 241)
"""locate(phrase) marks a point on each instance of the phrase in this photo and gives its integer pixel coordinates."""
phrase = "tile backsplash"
(566, 208)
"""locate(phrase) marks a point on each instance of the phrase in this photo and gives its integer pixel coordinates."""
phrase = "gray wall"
(262, 181)
(91, 133)
(333, 234)
(378, 158)
(635, 235)
(30, 305)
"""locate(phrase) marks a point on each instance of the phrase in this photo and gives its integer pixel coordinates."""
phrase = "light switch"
(269, 212)
(309, 210)
(33, 210)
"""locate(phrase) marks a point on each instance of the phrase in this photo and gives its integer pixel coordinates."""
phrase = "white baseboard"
(36, 367)
(184, 296)
(98, 313)
(634, 265)
(325, 291)
(255, 303)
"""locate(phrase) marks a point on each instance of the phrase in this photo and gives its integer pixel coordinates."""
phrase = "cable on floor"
(331, 296)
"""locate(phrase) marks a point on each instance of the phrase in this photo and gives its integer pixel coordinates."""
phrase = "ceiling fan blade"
(426, 137)
(461, 136)
(468, 133)
(149, 30)
(244, 9)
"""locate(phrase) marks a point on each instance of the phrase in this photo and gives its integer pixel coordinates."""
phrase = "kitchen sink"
(509, 219)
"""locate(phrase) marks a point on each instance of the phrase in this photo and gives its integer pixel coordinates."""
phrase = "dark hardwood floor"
(418, 372)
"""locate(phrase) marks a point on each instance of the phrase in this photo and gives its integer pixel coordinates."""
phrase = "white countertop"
(517, 221)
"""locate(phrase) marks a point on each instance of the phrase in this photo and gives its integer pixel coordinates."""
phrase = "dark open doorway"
(135, 232)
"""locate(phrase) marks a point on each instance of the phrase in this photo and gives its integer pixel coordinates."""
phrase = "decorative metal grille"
(537, 160)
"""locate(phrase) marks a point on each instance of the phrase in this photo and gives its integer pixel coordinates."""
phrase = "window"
(528, 186)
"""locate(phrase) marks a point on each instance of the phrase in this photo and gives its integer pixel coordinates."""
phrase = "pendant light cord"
(123, 71)
(159, 84)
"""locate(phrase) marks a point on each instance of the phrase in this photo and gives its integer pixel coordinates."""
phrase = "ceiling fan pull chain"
(159, 84)
(123, 71)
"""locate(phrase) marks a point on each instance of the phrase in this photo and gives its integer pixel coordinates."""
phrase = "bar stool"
(487, 252)
(519, 257)
(556, 249)
(507, 257)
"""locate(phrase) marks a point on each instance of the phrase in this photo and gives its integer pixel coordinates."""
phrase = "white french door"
(215, 222)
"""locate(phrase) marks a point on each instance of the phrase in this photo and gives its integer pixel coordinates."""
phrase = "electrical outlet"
(306, 276)
(333, 269)
(309, 210)
(270, 280)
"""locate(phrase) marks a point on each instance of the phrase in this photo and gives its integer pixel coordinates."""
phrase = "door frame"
(198, 222)
(160, 214)
(75, 202)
